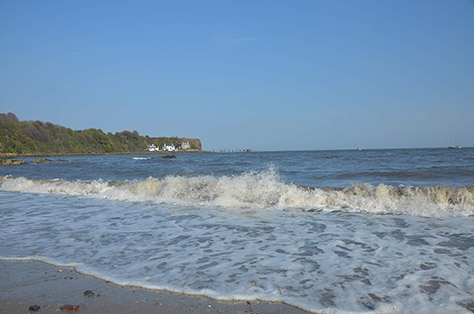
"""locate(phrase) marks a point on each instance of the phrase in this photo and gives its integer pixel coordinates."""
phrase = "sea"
(344, 231)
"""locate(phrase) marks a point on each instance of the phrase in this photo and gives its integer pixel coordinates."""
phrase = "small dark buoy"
(34, 308)
(89, 293)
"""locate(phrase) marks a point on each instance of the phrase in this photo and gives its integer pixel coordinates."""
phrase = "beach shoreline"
(27, 283)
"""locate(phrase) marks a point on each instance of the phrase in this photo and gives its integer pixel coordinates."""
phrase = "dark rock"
(168, 157)
(69, 308)
(11, 162)
(89, 293)
(40, 160)
(34, 308)
(19, 162)
(6, 162)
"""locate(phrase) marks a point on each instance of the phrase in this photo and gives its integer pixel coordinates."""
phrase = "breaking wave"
(263, 190)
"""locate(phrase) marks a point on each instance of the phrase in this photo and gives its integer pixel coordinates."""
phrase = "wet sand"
(26, 283)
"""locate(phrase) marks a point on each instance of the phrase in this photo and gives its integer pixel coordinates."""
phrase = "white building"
(170, 148)
(185, 145)
(152, 148)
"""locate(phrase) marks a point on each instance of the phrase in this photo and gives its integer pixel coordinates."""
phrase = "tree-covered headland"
(36, 137)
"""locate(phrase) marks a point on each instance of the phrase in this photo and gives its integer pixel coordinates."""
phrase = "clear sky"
(260, 74)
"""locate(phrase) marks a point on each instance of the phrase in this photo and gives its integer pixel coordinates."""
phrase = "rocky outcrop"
(11, 162)
(40, 160)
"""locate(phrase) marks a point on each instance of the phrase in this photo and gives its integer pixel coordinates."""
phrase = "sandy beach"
(26, 283)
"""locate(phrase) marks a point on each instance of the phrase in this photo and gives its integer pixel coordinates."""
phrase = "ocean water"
(371, 231)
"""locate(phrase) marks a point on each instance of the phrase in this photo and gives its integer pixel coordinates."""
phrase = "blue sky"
(266, 75)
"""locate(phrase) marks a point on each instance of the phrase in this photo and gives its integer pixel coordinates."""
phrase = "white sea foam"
(326, 263)
(263, 190)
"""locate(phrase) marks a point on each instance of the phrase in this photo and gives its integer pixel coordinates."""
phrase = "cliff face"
(36, 137)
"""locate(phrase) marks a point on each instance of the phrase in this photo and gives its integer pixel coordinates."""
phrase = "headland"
(36, 138)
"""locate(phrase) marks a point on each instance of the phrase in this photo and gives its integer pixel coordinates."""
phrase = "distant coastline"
(37, 138)
(14, 155)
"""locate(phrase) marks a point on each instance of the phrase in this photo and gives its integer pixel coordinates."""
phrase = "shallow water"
(240, 226)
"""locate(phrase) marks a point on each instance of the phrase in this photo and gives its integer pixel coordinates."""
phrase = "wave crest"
(263, 190)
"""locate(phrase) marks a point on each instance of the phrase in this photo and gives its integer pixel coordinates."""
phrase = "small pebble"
(68, 308)
(89, 293)
(34, 308)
